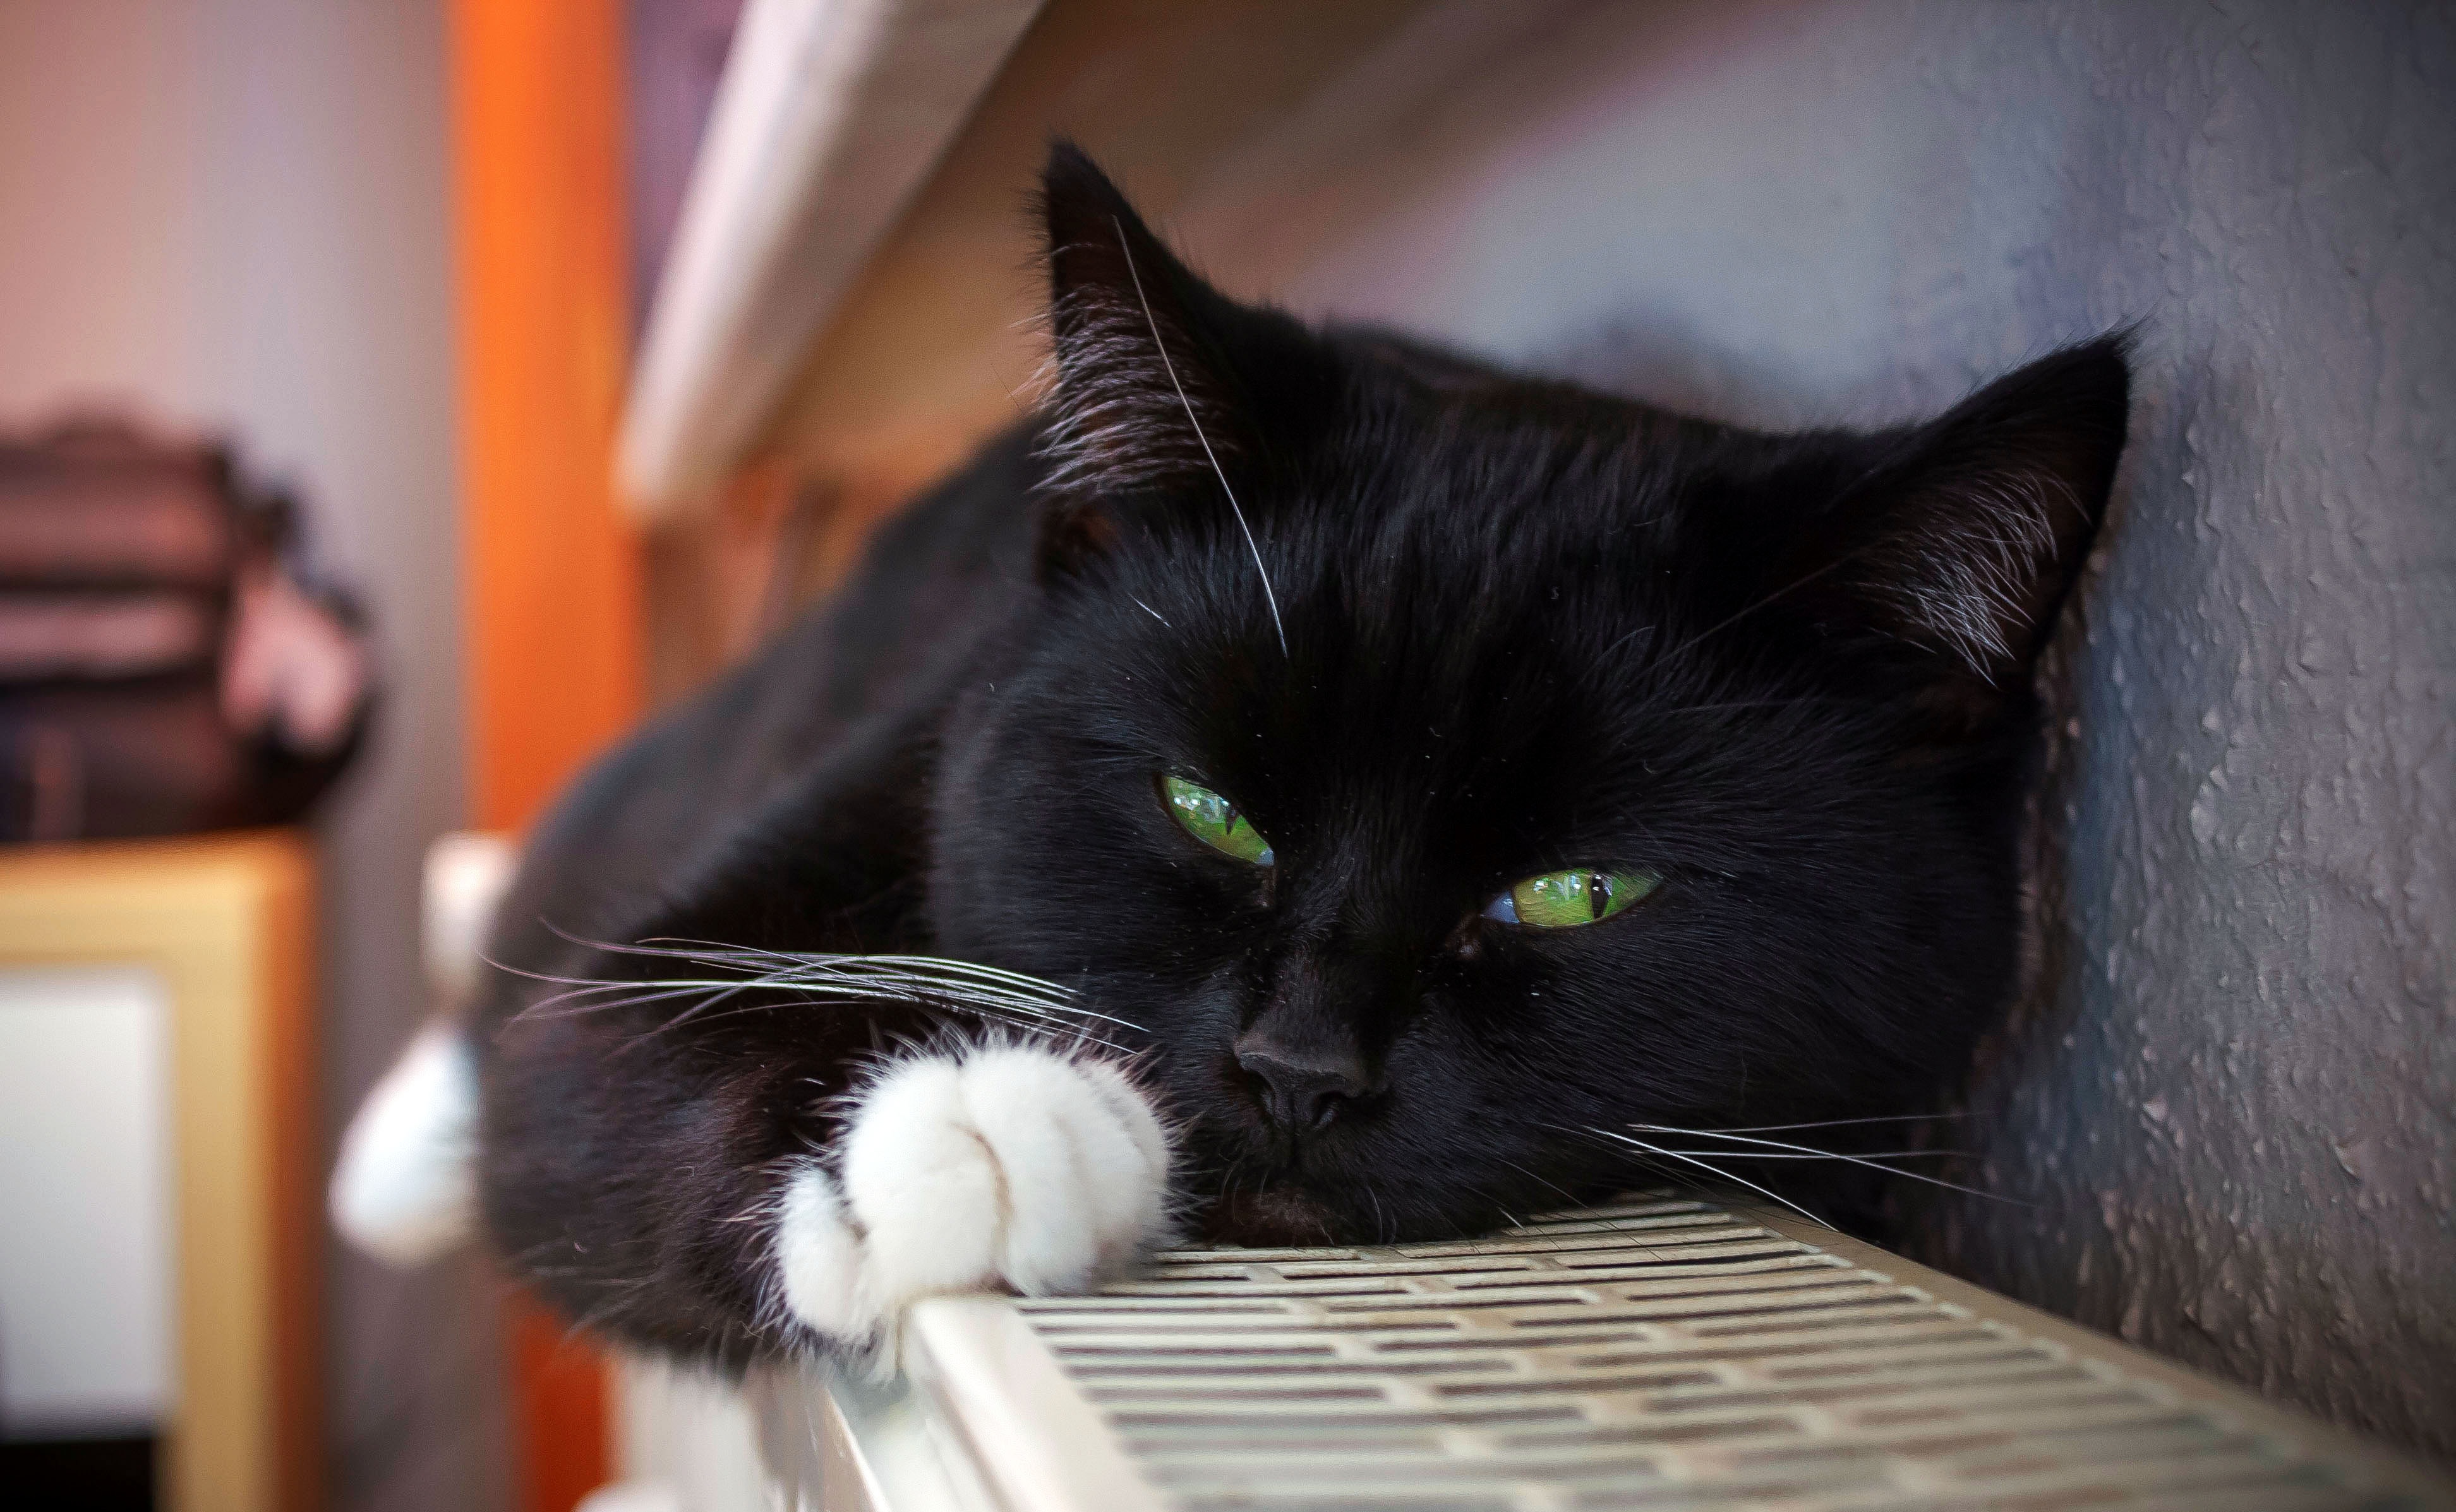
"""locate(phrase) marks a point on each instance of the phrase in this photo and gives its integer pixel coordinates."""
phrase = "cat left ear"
(1964, 534)
(1145, 395)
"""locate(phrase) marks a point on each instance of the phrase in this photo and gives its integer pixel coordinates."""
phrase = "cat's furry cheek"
(1002, 1168)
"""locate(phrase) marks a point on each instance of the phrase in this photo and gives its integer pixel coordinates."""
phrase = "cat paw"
(1005, 1169)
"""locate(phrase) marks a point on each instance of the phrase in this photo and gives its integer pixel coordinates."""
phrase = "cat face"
(1446, 772)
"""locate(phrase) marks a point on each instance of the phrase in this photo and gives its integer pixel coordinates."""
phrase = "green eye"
(1215, 821)
(1557, 899)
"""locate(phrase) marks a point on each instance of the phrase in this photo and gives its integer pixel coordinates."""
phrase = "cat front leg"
(997, 1168)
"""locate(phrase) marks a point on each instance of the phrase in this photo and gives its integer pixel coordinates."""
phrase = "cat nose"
(1301, 1090)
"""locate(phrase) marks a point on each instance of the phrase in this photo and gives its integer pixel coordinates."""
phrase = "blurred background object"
(161, 1286)
(86, 1320)
(164, 666)
(231, 218)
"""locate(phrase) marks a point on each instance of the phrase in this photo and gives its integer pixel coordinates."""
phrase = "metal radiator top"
(1659, 1353)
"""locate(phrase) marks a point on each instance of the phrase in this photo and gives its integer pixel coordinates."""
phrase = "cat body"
(1298, 786)
(789, 807)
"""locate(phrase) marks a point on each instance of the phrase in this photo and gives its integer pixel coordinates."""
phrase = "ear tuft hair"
(1140, 381)
(1966, 534)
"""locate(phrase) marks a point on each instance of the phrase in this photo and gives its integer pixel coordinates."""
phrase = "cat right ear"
(1962, 535)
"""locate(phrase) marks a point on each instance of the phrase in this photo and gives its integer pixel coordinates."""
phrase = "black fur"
(1526, 627)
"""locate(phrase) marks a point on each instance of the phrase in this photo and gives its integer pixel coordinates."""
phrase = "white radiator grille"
(1657, 1355)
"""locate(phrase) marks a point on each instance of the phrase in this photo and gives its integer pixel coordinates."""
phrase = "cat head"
(1441, 766)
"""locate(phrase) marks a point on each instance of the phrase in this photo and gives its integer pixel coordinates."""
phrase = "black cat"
(1375, 796)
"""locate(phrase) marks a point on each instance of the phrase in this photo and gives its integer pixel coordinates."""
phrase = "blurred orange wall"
(553, 574)
(553, 570)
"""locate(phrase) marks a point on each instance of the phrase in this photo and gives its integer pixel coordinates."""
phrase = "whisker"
(544, 1008)
(1023, 1015)
(927, 967)
(1221, 472)
(884, 985)
(698, 1015)
(1713, 1170)
(1643, 629)
(1570, 1200)
(1821, 1155)
(1567, 1197)
(717, 951)
(964, 984)
(938, 962)
(1835, 1123)
(716, 992)
(687, 1015)
(585, 986)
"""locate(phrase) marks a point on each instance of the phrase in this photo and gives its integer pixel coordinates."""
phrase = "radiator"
(1661, 1353)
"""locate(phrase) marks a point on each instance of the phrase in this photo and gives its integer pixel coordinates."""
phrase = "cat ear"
(1964, 534)
(1142, 378)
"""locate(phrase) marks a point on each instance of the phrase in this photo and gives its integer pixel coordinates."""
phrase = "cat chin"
(1006, 1168)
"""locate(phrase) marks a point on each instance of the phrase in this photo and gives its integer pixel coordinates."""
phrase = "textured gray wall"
(231, 214)
(2229, 1099)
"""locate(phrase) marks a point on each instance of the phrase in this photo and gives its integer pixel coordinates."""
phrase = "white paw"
(405, 1189)
(1006, 1168)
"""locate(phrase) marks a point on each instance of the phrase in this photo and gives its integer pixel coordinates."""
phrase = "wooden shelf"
(853, 287)
(829, 116)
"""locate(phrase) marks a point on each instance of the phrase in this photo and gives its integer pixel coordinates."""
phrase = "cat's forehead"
(1506, 522)
(1469, 658)
(1543, 470)
(1465, 596)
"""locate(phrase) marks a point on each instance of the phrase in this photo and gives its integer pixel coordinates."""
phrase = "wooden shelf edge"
(828, 117)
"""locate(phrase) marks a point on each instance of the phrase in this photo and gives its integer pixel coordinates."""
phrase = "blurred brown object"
(163, 667)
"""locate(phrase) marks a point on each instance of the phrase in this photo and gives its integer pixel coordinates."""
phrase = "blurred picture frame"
(226, 924)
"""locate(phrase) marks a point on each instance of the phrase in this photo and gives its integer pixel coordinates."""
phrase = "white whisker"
(1221, 472)
(550, 1007)
(935, 976)
(1717, 1170)
(1872, 1154)
(1019, 1002)
(1812, 1153)
(1835, 1123)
